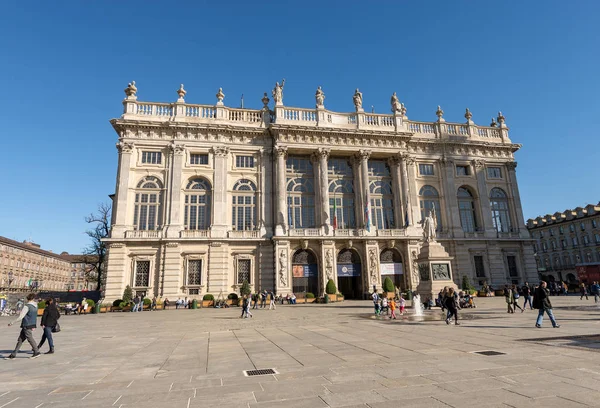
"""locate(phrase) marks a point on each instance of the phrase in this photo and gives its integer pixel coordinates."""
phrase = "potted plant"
(232, 299)
(104, 307)
(116, 305)
(147, 304)
(388, 288)
(309, 298)
(90, 306)
(125, 307)
(208, 300)
(41, 307)
(330, 290)
(340, 297)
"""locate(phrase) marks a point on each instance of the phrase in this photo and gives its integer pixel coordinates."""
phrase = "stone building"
(565, 240)
(82, 276)
(24, 266)
(208, 196)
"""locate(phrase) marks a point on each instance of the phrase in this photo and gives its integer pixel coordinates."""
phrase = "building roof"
(79, 258)
(567, 215)
(31, 247)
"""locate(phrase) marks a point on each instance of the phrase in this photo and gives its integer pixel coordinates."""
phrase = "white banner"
(391, 268)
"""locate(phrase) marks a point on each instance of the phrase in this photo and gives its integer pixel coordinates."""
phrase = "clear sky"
(64, 65)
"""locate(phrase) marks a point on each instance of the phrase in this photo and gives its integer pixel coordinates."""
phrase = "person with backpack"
(541, 301)
(28, 319)
(49, 323)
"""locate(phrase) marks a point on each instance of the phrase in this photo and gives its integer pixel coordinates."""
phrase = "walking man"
(136, 303)
(272, 304)
(527, 296)
(263, 299)
(376, 302)
(28, 319)
(508, 297)
(541, 301)
(595, 291)
(255, 300)
(583, 290)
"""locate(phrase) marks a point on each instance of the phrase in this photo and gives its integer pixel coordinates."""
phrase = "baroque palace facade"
(208, 196)
(566, 240)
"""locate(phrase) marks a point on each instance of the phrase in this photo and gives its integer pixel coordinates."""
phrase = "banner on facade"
(348, 270)
(305, 271)
(391, 268)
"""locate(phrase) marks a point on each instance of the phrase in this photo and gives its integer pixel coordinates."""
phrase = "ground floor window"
(243, 271)
(142, 274)
(194, 272)
(479, 268)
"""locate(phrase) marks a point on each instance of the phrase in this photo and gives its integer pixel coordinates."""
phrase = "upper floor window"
(382, 204)
(429, 200)
(197, 205)
(462, 170)
(244, 161)
(553, 243)
(148, 196)
(551, 232)
(582, 225)
(597, 238)
(244, 205)
(426, 169)
(500, 210)
(151, 157)
(466, 207)
(301, 203)
(542, 234)
(199, 158)
(575, 241)
(299, 165)
(494, 172)
(594, 224)
(339, 166)
(564, 243)
(561, 229)
(572, 228)
(586, 239)
(341, 204)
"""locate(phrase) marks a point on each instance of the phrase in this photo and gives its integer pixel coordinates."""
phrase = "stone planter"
(103, 309)
(208, 303)
(499, 292)
(160, 307)
(40, 312)
(309, 300)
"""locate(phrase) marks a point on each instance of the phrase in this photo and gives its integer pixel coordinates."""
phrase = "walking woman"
(452, 306)
(515, 293)
(583, 291)
(49, 322)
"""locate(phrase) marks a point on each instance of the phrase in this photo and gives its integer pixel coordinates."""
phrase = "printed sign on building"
(348, 270)
(391, 268)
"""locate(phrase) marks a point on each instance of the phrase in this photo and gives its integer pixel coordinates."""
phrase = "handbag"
(56, 328)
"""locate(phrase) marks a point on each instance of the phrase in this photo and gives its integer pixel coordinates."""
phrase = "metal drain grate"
(264, 371)
(489, 353)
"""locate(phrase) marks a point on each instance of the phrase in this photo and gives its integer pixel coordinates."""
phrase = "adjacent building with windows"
(25, 266)
(208, 196)
(566, 240)
(83, 271)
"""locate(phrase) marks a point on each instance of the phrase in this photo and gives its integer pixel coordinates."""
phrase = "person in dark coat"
(541, 301)
(451, 303)
(49, 322)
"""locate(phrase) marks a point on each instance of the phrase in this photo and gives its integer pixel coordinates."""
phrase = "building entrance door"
(349, 274)
(305, 273)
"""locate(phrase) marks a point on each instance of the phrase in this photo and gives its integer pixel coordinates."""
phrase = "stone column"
(409, 188)
(171, 267)
(516, 200)
(357, 184)
(280, 153)
(122, 190)
(452, 210)
(394, 163)
(261, 193)
(174, 222)
(220, 224)
(365, 193)
(484, 201)
(323, 155)
(314, 159)
(219, 267)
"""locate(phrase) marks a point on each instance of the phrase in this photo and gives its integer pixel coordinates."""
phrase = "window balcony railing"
(346, 233)
(194, 234)
(244, 234)
(305, 232)
(143, 234)
(391, 232)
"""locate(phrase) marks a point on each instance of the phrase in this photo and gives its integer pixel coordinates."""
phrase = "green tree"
(245, 290)
(330, 288)
(127, 294)
(466, 284)
(388, 285)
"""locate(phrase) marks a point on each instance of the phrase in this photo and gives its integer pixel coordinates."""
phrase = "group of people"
(78, 308)
(28, 319)
(594, 289)
(383, 305)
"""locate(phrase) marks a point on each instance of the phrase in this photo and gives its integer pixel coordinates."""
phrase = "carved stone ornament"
(181, 92)
(116, 245)
(493, 124)
(512, 165)
(320, 97)
(424, 272)
(304, 244)
(220, 151)
(430, 226)
(415, 271)
(177, 148)
(265, 100)
(373, 272)
(323, 152)
(220, 95)
(468, 115)
(349, 244)
(363, 154)
(131, 90)
(478, 163)
(440, 271)
(440, 114)
(396, 105)
(500, 118)
(408, 159)
(283, 268)
(329, 264)
(278, 92)
(125, 147)
(280, 151)
(403, 110)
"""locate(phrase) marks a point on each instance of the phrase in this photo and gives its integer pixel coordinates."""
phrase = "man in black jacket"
(527, 295)
(541, 301)
(49, 322)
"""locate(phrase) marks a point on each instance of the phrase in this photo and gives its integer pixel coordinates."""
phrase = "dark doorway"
(305, 273)
(349, 274)
(391, 267)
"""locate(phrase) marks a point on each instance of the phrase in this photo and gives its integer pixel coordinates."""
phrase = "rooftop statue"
(319, 97)
(358, 99)
(396, 105)
(278, 92)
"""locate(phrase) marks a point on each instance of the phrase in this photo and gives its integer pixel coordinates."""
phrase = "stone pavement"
(336, 355)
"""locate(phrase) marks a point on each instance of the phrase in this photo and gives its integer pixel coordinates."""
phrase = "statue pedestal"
(435, 270)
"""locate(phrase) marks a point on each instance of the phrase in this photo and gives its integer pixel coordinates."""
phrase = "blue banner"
(348, 270)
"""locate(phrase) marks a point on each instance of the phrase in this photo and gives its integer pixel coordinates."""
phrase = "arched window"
(146, 214)
(244, 205)
(341, 204)
(430, 199)
(382, 204)
(197, 205)
(500, 212)
(301, 203)
(466, 207)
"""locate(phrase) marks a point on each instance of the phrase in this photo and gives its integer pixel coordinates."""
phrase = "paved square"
(336, 355)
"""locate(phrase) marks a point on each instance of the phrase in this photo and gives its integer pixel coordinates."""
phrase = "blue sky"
(64, 65)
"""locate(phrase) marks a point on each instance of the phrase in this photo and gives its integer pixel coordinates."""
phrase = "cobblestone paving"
(335, 355)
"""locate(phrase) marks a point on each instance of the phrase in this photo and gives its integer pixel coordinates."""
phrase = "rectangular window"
(553, 246)
(512, 266)
(561, 229)
(462, 170)
(575, 242)
(426, 169)
(193, 291)
(479, 269)
(582, 225)
(586, 239)
(551, 232)
(244, 161)
(198, 158)
(564, 243)
(572, 228)
(142, 273)
(194, 272)
(151, 157)
(243, 271)
(494, 172)
(594, 224)
(597, 238)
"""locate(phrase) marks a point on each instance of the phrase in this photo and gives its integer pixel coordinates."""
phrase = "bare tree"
(95, 252)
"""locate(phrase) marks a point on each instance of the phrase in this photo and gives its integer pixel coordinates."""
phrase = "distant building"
(24, 266)
(83, 274)
(565, 240)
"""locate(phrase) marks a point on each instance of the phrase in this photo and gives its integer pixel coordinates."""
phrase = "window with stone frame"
(462, 170)
(381, 195)
(244, 206)
(494, 172)
(586, 239)
(500, 210)
(194, 272)
(197, 210)
(148, 197)
(243, 271)
(429, 199)
(466, 208)
(150, 157)
(244, 161)
(341, 193)
(199, 159)
(426, 169)
(479, 266)
(142, 274)
(300, 193)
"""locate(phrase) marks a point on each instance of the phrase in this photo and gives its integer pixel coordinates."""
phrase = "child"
(393, 309)
(384, 305)
(402, 304)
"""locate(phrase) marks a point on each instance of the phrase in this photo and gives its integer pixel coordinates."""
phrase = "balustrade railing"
(143, 234)
(194, 234)
(346, 233)
(304, 232)
(244, 234)
(391, 233)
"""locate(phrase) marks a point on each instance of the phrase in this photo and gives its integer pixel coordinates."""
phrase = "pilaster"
(174, 221)
(117, 268)
(450, 193)
(323, 155)
(484, 202)
(329, 268)
(219, 267)
(283, 267)
(171, 271)
(373, 270)
(280, 153)
(516, 198)
(394, 163)
(122, 189)
(220, 223)
(363, 156)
